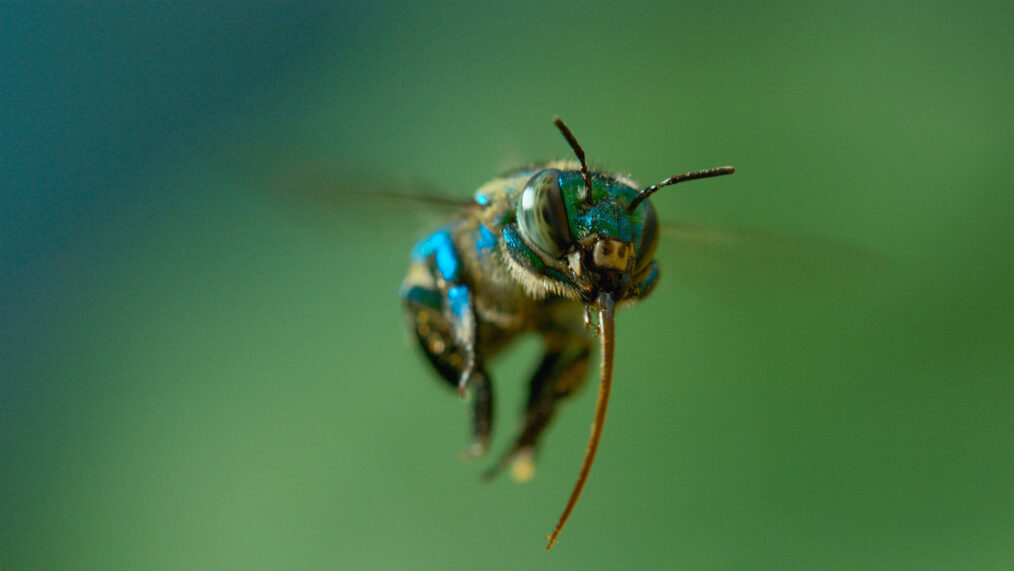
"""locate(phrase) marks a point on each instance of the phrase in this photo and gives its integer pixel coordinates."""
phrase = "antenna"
(586, 195)
(707, 173)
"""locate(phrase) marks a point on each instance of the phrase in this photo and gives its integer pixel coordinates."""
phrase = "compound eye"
(649, 237)
(542, 216)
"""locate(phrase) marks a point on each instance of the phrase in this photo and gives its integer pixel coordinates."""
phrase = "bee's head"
(578, 243)
(580, 234)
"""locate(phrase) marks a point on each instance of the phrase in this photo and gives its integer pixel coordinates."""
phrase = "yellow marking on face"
(612, 254)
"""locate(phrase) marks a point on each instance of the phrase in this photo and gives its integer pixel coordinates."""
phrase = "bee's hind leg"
(561, 372)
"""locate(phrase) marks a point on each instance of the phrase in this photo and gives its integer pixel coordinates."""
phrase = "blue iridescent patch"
(482, 199)
(439, 244)
(519, 251)
(457, 299)
(485, 241)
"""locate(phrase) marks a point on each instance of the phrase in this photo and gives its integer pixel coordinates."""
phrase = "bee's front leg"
(441, 311)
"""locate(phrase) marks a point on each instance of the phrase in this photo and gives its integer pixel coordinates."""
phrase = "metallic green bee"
(538, 250)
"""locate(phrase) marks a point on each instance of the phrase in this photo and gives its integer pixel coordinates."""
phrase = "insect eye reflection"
(542, 216)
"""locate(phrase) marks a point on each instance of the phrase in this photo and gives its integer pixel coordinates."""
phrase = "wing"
(337, 186)
(342, 197)
(741, 264)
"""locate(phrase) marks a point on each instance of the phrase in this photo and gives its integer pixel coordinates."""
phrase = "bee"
(539, 249)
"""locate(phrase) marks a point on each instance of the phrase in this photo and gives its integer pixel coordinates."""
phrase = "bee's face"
(562, 243)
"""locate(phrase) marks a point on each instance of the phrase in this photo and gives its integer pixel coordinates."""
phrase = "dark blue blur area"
(92, 92)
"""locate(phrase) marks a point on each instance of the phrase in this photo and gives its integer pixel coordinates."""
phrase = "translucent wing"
(335, 187)
(339, 198)
(741, 264)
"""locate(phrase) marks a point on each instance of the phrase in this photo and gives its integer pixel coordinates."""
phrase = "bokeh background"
(202, 356)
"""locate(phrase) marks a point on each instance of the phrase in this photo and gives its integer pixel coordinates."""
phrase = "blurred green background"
(197, 375)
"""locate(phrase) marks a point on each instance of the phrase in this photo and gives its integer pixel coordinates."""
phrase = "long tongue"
(605, 304)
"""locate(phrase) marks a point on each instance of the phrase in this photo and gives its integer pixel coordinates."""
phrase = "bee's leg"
(482, 413)
(560, 374)
(439, 344)
(442, 315)
(461, 315)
